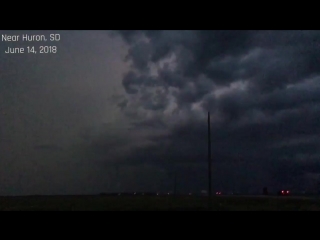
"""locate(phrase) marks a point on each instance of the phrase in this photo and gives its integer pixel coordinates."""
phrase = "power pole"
(209, 165)
(175, 183)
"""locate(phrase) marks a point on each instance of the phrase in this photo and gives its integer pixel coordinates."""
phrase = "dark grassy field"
(157, 203)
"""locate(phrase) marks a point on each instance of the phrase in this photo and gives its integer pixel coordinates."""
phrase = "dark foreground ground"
(151, 203)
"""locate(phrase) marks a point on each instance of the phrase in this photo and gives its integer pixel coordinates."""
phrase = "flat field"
(157, 203)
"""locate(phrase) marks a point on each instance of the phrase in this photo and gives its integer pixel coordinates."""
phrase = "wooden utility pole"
(209, 165)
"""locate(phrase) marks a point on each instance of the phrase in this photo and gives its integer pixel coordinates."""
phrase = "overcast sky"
(125, 110)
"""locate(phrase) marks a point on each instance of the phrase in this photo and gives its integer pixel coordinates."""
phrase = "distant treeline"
(129, 194)
(138, 194)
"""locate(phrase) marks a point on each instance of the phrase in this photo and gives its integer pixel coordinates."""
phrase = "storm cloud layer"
(127, 110)
(261, 87)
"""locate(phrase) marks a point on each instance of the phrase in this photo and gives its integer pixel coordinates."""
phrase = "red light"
(282, 191)
(287, 191)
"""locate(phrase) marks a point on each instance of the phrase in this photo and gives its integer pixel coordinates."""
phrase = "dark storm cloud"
(131, 79)
(278, 57)
(129, 112)
(47, 103)
(47, 147)
(262, 88)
